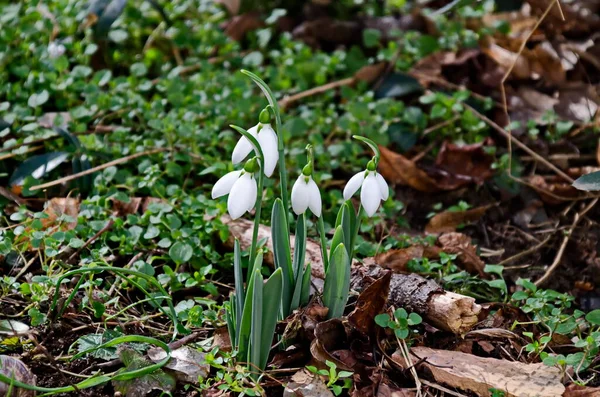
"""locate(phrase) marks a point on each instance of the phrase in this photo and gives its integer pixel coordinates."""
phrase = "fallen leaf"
(187, 364)
(371, 73)
(56, 208)
(397, 259)
(13, 327)
(460, 244)
(233, 6)
(470, 162)
(430, 69)
(396, 168)
(553, 190)
(145, 384)
(397, 85)
(448, 221)
(574, 390)
(330, 344)
(370, 303)
(478, 375)
(387, 391)
(240, 25)
(15, 369)
(305, 384)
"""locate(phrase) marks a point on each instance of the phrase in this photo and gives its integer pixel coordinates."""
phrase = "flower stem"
(353, 241)
(323, 244)
(256, 223)
(282, 169)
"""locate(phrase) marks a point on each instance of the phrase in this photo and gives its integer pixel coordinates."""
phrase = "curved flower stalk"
(373, 187)
(267, 139)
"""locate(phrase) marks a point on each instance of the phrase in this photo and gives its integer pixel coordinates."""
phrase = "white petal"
(268, 143)
(243, 148)
(370, 195)
(223, 185)
(314, 198)
(353, 185)
(240, 198)
(300, 196)
(252, 195)
(383, 186)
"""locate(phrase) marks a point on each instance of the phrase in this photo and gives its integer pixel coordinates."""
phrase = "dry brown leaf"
(397, 259)
(470, 162)
(305, 384)
(370, 303)
(240, 25)
(430, 69)
(553, 190)
(574, 390)
(331, 344)
(396, 168)
(233, 6)
(371, 73)
(448, 221)
(460, 244)
(387, 391)
(58, 206)
(479, 375)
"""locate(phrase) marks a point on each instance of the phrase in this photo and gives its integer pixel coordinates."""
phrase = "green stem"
(353, 241)
(323, 244)
(256, 221)
(281, 161)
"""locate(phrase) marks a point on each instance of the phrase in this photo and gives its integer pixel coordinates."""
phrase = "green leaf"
(593, 317)
(589, 182)
(371, 37)
(495, 269)
(305, 294)
(37, 166)
(383, 320)
(246, 323)
(239, 288)
(273, 289)
(337, 282)
(256, 332)
(338, 238)
(400, 313)
(401, 333)
(397, 85)
(38, 99)
(299, 248)
(296, 296)
(180, 252)
(281, 252)
(145, 384)
(414, 319)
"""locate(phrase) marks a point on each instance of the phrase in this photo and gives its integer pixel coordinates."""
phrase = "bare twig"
(98, 168)
(526, 252)
(563, 245)
(285, 102)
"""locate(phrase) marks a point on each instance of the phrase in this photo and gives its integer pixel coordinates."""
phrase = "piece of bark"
(479, 375)
(242, 230)
(443, 309)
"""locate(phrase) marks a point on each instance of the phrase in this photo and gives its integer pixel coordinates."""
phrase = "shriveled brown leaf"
(478, 375)
(470, 162)
(233, 6)
(371, 73)
(574, 390)
(221, 339)
(59, 206)
(553, 190)
(460, 244)
(326, 30)
(430, 69)
(370, 303)
(305, 384)
(574, 17)
(397, 259)
(331, 344)
(396, 168)
(240, 25)
(387, 391)
(448, 221)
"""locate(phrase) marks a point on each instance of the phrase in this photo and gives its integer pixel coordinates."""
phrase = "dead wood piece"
(443, 309)
(242, 230)
(479, 374)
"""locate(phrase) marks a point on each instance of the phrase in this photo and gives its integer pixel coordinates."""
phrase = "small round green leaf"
(180, 252)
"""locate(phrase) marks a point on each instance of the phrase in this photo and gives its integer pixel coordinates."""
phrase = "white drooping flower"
(242, 190)
(305, 194)
(55, 50)
(373, 189)
(267, 139)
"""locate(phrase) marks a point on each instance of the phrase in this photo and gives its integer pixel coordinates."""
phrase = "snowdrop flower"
(55, 50)
(305, 192)
(266, 137)
(373, 188)
(241, 187)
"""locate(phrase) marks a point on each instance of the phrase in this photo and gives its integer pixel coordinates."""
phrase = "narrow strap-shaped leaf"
(347, 227)
(246, 325)
(305, 295)
(273, 289)
(338, 238)
(281, 252)
(239, 285)
(230, 318)
(337, 282)
(258, 261)
(295, 303)
(256, 332)
(299, 247)
(37, 166)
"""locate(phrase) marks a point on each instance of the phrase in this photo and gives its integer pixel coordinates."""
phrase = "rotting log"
(445, 310)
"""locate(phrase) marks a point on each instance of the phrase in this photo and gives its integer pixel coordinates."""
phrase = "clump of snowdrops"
(254, 308)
